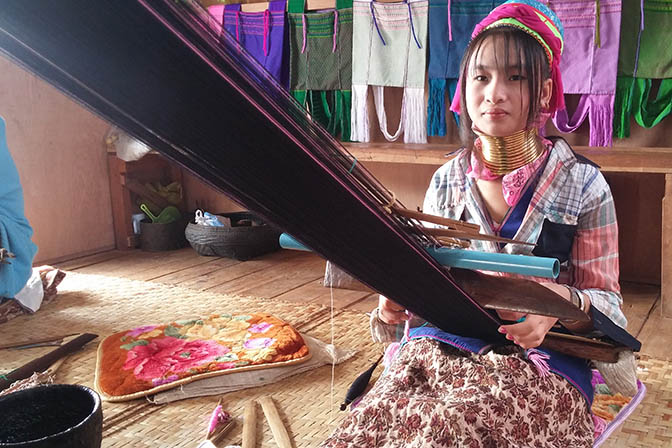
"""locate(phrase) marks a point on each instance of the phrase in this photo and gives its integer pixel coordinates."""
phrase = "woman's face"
(498, 98)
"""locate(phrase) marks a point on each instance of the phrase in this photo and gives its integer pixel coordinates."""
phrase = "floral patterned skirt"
(436, 396)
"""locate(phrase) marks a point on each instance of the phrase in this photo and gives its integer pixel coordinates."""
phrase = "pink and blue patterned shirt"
(570, 216)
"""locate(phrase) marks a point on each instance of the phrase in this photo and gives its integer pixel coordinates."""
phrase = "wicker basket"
(241, 241)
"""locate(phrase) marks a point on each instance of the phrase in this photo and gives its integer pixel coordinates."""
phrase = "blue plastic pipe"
(472, 259)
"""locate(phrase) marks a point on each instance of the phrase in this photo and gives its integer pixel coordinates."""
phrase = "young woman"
(446, 390)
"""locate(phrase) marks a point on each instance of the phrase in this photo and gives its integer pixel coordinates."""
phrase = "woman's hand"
(529, 333)
(389, 312)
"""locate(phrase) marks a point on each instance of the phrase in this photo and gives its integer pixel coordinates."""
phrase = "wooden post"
(121, 201)
(666, 251)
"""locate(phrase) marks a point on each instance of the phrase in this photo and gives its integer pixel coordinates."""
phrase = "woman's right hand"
(389, 312)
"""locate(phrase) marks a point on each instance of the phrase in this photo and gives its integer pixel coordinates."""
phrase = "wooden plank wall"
(57, 146)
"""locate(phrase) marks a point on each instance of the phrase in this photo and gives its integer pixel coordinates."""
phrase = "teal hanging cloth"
(450, 25)
(645, 56)
(15, 232)
(320, 69)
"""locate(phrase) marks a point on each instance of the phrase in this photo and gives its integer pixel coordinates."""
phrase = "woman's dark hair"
(532, 61)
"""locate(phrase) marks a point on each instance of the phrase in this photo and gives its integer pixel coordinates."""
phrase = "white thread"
(359, 114)
(414, 115)
(333, 355)
(379, 103)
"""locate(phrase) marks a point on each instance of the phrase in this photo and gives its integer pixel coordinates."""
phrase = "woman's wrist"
(582, 302)
(575, 298)
(579, 299)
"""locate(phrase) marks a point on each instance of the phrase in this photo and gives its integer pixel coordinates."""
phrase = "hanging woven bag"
(645, 56)
(320, 44)
(261, 33)
(450, 25)
(588, 67)
(389, 49)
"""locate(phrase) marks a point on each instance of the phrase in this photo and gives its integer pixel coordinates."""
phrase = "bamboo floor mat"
(104, 305)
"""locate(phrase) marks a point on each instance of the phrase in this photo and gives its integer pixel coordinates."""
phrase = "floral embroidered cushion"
(148, 359)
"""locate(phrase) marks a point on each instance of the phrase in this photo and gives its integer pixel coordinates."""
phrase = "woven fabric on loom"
(645, 55)
(449, 35)
(390, 50)
(258, 166)
(588, 65)
(320, 46)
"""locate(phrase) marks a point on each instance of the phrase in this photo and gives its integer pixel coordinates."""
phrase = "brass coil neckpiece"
(501, 155)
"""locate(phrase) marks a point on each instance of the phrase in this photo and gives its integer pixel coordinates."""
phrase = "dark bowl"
(57, 415)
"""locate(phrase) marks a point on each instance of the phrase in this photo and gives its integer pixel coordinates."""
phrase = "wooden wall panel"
(57, 147)
(408, 182)
(638, 200)
(201, 195)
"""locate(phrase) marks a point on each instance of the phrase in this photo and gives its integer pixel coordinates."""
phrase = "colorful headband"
(540, 22)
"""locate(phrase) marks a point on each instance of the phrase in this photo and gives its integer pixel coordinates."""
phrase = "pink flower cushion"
(148, 359)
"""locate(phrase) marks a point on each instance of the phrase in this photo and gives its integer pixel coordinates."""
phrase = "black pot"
(57, 415)
(157, 237)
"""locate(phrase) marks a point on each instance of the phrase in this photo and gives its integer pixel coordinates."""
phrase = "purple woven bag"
(589, 63)
(261, 33)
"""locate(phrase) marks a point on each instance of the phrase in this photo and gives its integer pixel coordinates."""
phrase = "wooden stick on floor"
(250, 425)
(275, 422)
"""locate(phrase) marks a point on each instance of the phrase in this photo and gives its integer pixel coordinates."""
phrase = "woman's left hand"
(529, 333)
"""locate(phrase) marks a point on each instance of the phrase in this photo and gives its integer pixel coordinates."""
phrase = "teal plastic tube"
(288, 242)
(495, 261)
(472, 259)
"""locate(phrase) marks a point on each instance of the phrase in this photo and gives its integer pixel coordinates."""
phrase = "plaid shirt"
(569, 191)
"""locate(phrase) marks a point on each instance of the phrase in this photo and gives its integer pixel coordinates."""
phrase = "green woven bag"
(645, 54)
(320, 71)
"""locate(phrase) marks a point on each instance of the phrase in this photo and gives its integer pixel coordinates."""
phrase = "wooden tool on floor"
(279, 431)
(250, 425)
(44, 362)
(40, 342)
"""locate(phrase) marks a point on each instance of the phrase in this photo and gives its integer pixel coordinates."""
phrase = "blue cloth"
(15, 232)
(445, 55)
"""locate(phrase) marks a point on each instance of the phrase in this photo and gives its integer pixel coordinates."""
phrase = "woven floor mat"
(650, 425)
(104, 305)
